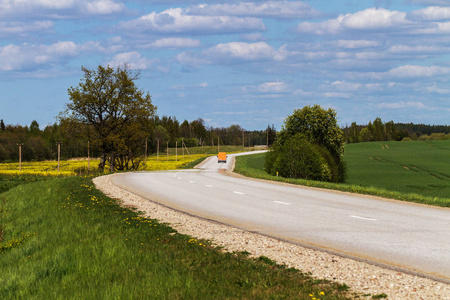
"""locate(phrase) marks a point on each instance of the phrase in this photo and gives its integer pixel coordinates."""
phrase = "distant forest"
(41, 144)
(390, 131)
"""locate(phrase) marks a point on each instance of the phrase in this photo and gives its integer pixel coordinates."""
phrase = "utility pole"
(20, 156)
(243, 140)
(157, 152)
(176, 150)
(218, 146)
(59, 152)
(167, 150)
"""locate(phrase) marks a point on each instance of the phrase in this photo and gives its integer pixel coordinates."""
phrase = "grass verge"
(66, 240)
(252, 166)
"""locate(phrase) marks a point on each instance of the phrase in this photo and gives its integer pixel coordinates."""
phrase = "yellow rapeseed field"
(73, 167)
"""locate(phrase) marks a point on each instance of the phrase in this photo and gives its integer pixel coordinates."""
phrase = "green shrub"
(298, 158)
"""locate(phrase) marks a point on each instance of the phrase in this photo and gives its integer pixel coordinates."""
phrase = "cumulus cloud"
(24, 28)
(247, 51)
(58, 9)
(264, 9)
(412, 71)
(25, 57)
(356, 44)
(401, 105)
(431, 13)
(272, 87)
(132, 59)
(176, 20)
(174, 43)
(369, 19)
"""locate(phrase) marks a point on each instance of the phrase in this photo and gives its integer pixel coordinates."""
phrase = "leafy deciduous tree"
(109, 100)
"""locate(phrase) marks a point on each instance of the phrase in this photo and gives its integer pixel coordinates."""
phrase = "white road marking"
(279, 202)
(191, 181)
(239, 193)
(363, 218)
(209, 185)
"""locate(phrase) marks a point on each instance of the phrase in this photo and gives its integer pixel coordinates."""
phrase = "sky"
(250, 63)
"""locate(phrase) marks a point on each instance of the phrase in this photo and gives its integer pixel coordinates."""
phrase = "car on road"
(222, 157)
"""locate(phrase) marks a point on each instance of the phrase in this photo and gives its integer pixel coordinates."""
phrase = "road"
(413, 238)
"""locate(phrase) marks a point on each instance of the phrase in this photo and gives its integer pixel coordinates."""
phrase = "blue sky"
(234, 62)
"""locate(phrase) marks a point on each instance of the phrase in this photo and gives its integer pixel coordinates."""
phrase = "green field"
(60, 238)
(413, 171)
(421, 167)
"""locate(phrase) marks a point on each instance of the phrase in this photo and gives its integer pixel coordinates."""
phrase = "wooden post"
(176, 150)
(218, 146)
(59, 153)
(20, 156)
(243, 139)
(167, 150)
(157, 152)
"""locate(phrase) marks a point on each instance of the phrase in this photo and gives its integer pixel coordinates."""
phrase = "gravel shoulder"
(361, 277)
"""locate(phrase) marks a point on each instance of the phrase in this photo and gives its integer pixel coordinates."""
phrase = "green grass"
(63, 239)
(411, 171)
(421, 167)
(7, 182)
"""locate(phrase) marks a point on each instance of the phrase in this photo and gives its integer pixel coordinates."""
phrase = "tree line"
(390, 131)
(41, 143)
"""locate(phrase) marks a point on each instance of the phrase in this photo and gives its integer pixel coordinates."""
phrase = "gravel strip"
(361, 277)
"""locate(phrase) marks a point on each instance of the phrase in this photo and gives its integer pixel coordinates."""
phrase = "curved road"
(410, 237)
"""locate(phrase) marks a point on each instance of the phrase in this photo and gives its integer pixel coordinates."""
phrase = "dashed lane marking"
(362, 218)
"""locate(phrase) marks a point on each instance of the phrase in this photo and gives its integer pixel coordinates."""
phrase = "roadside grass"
(372, 177)
(61, 238)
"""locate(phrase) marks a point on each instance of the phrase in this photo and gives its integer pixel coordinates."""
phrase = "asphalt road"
(410, 237)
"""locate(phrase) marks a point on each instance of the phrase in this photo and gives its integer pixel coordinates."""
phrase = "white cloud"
(345, 86)
(25, 57)
(104, 7)
(437, 90)
(133, 60)
(369, 19)
(411, 71)
(401, 105)
(247, 51)
(263, 9)
(355, 44)
(174, 43)
(431, 13)
(274, 87)
(23, 28)
(58, 8)
(175, 20)
(417, 49)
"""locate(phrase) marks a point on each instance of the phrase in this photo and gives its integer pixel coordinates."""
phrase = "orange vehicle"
(222, 157)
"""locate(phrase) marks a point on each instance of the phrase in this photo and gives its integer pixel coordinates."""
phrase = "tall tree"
(109, 100)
